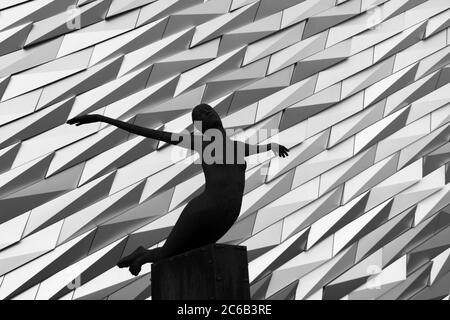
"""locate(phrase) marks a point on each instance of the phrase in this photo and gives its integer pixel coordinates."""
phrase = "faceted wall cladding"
(359, 90)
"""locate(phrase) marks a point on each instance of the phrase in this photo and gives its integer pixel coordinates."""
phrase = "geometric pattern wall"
(359, 90)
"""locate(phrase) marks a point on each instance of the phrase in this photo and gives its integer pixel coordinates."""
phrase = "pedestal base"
(215, 271)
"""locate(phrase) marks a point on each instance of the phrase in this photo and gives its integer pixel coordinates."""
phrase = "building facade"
(359, 90)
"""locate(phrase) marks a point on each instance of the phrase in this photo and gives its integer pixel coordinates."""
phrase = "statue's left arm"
(251, 149)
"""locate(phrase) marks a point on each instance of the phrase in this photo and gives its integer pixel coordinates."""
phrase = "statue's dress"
(208, 216)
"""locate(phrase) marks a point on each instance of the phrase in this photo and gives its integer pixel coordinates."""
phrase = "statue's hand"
(280, 150)
(87, 118)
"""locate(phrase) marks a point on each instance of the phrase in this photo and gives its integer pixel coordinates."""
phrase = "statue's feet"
(135, 267)
(131, 259)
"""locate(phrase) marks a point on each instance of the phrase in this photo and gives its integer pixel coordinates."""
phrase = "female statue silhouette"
(208, 216)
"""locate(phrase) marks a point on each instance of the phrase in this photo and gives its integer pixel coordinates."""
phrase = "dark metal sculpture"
(207, 217)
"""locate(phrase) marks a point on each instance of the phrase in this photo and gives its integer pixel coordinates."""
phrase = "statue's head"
(205, 117)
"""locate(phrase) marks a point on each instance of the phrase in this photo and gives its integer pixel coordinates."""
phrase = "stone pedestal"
(212, 272)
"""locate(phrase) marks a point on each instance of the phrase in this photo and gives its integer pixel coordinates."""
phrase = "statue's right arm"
(185, 140)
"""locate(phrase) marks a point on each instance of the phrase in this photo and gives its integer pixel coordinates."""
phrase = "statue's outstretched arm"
(250, 149)
(184, 140)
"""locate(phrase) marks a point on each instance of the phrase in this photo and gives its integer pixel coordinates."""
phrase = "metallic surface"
(358, 90)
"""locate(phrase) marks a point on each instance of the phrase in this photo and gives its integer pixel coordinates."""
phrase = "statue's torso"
(224, 175)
